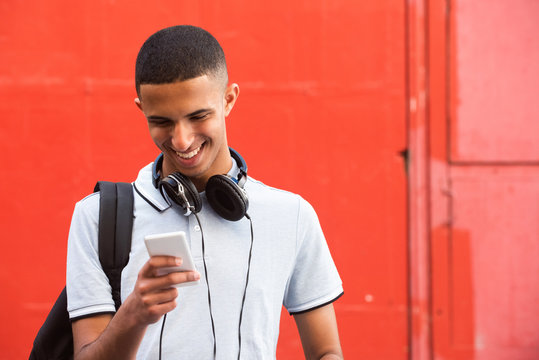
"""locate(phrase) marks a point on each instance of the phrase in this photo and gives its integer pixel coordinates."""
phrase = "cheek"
(158, 136)
(215, 128)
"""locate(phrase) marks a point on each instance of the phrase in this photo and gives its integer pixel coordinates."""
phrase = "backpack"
(55, 338)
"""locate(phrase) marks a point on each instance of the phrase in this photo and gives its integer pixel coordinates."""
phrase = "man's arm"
(319, 334)
(99, 337)
(119, 337)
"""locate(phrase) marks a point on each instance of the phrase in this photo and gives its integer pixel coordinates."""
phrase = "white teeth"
(188, 155)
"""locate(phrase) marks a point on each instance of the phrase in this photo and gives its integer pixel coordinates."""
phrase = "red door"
(483, 179)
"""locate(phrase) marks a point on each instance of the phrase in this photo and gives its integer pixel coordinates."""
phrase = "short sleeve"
(88, 288)
(314, 280)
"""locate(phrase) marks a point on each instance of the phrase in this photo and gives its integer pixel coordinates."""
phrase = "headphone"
(225, 194)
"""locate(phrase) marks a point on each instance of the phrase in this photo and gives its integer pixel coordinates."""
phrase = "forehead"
(199, 90)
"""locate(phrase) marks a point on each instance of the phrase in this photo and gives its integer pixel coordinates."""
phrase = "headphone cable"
(209, 294)
(161, 335)
(246, 283)
(208, 286)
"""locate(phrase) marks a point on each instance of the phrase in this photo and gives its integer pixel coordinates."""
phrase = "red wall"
(320, 113)
(437, 253)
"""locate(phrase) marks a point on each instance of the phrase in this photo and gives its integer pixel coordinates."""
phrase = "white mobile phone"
(172, 244)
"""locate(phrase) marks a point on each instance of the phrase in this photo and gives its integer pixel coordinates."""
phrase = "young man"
(271, 253)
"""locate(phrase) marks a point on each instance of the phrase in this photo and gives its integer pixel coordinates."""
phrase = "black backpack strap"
(115, 228)
(54, 339)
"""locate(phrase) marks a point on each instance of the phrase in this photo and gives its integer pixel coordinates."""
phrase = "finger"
(160, 297)
(159, 283)
(157, 311)
(155, 262)
(176, 278)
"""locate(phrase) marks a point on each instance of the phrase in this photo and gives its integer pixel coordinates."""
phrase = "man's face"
(186, 120)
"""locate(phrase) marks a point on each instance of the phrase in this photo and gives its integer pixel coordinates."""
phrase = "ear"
(137, 102)
(231, 95)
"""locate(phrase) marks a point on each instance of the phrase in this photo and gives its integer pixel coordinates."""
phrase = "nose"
(182, 136)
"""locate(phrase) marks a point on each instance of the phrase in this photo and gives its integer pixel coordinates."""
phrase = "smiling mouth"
(190, 154)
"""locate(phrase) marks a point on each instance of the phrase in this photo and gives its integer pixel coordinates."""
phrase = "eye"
(200, 117)
(161, 122)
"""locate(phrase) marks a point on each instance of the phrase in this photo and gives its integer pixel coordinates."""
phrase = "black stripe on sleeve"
(91, 315)
(317, 306)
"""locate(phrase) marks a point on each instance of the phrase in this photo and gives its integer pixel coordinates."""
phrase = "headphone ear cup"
(226, 198)
(170, 185)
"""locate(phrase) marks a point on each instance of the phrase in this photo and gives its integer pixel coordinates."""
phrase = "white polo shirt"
(291, 265)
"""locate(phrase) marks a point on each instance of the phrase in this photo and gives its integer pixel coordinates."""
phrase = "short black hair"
(179, 53)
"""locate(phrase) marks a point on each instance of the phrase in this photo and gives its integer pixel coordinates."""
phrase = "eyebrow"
(198, 112)
(157, 117)
(193, 114)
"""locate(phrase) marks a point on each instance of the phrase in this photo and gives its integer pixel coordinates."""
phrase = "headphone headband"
(156, 170)
(242, 165)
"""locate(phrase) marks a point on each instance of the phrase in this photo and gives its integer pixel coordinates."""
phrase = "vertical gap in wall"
(419, 184)
(408, 217)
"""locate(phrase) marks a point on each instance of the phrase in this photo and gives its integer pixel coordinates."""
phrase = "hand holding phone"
(172, 244)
